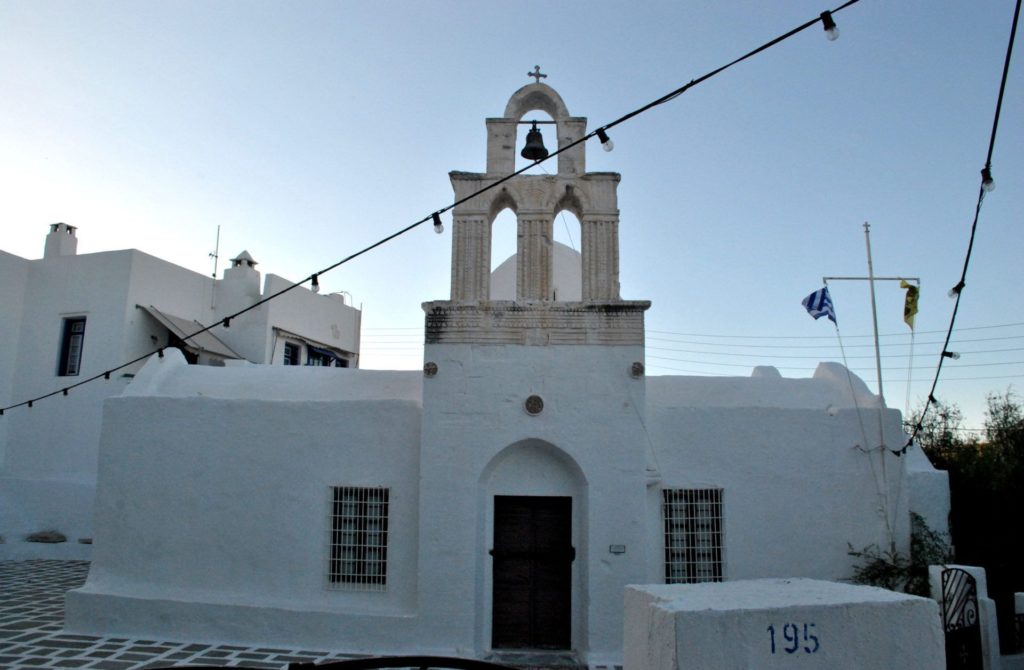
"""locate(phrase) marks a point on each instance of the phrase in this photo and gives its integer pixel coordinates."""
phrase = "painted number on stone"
(792, 640)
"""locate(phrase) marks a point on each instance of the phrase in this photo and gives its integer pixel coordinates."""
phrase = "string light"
(987, 183)
(955, 291)
(438, 226)
(601, 134)
(315, 288)
(831, 31)
(951, 354)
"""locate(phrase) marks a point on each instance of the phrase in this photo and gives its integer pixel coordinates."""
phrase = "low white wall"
(779, 623)
(213, 516)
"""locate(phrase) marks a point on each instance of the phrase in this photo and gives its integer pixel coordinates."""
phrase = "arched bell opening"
(503, 251)
(532, 137)
(566, 259)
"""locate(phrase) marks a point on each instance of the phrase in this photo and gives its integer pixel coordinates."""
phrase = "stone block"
(779, 623)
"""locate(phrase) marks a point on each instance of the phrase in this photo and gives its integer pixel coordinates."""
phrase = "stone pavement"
(32, 616)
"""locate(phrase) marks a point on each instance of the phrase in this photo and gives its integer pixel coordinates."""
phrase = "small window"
(693, 535)
(71, 347)
(291, 353)
(359, 538)
(324, 357)
(319, 359)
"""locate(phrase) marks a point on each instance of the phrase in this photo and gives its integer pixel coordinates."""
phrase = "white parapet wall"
(779, 623)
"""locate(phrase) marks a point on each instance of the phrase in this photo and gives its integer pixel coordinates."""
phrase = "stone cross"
(536, 73)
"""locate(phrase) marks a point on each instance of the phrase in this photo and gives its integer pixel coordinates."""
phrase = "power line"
(830, 337)
(812, 357)
(986, 185)
(600, 133)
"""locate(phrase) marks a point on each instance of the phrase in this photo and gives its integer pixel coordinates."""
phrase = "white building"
(501, 499)
(67, 317)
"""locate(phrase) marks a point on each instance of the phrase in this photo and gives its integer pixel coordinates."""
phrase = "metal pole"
(874, 311)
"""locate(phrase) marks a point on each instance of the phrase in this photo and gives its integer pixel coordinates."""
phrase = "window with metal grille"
(71, 347)
(359, 538)
(693, 535)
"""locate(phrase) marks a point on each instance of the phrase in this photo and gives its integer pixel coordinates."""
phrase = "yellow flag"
(910, 304)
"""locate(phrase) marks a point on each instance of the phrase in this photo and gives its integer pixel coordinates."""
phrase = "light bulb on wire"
(606, 142)
(988, 184)
(831, 30)
(438, 226)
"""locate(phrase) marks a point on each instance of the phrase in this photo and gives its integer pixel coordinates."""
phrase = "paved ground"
(32, 616)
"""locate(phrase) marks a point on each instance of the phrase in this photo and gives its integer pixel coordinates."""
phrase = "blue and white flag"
(819, 304)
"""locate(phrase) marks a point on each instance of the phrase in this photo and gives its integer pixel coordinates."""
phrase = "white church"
(501, 499)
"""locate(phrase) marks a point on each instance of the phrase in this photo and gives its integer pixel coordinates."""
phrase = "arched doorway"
(534, 494)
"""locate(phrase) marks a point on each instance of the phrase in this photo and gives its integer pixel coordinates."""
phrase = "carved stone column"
(600, 251)
(471, 258)
(533, 268)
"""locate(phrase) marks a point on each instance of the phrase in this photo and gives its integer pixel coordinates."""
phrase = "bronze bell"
(534, 149)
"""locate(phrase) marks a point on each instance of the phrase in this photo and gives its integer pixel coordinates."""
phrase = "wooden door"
(532, 563)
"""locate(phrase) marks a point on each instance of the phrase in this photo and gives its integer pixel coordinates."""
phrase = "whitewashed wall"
(799, 484)
(213, 483)
(213, 513)
(13, 276)
(589, 441)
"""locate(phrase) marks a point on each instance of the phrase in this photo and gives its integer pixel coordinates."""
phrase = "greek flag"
(819, 304)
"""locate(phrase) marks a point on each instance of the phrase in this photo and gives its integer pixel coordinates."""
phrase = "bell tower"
(535, 317)
(533, 407)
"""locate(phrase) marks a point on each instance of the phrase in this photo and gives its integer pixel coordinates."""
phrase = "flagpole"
(874, 311)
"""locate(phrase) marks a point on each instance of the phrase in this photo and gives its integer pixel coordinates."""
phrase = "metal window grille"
(359, 538)
(693, 535)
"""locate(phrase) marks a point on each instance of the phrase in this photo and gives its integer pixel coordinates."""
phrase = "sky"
(308, 131)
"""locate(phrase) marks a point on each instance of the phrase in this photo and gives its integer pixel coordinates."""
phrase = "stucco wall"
(589, 437)
(213, 485)
(797, 492)
(337, 325)
(224, 503)
(13, 276)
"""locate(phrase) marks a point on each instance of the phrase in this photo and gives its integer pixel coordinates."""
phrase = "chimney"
(61, 241)
(242, 276)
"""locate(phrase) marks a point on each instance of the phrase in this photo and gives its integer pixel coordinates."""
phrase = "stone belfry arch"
(536, 200)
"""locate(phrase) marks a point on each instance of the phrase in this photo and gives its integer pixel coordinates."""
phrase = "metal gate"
(960, 620)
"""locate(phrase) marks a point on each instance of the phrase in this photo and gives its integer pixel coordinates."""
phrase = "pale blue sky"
(309, 130)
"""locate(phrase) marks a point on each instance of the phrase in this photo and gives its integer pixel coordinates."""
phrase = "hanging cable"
(600, 133)
(986, 185)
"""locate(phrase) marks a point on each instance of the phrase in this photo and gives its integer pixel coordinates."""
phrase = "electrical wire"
(429, 217)
(960, 285)
(828, 337)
